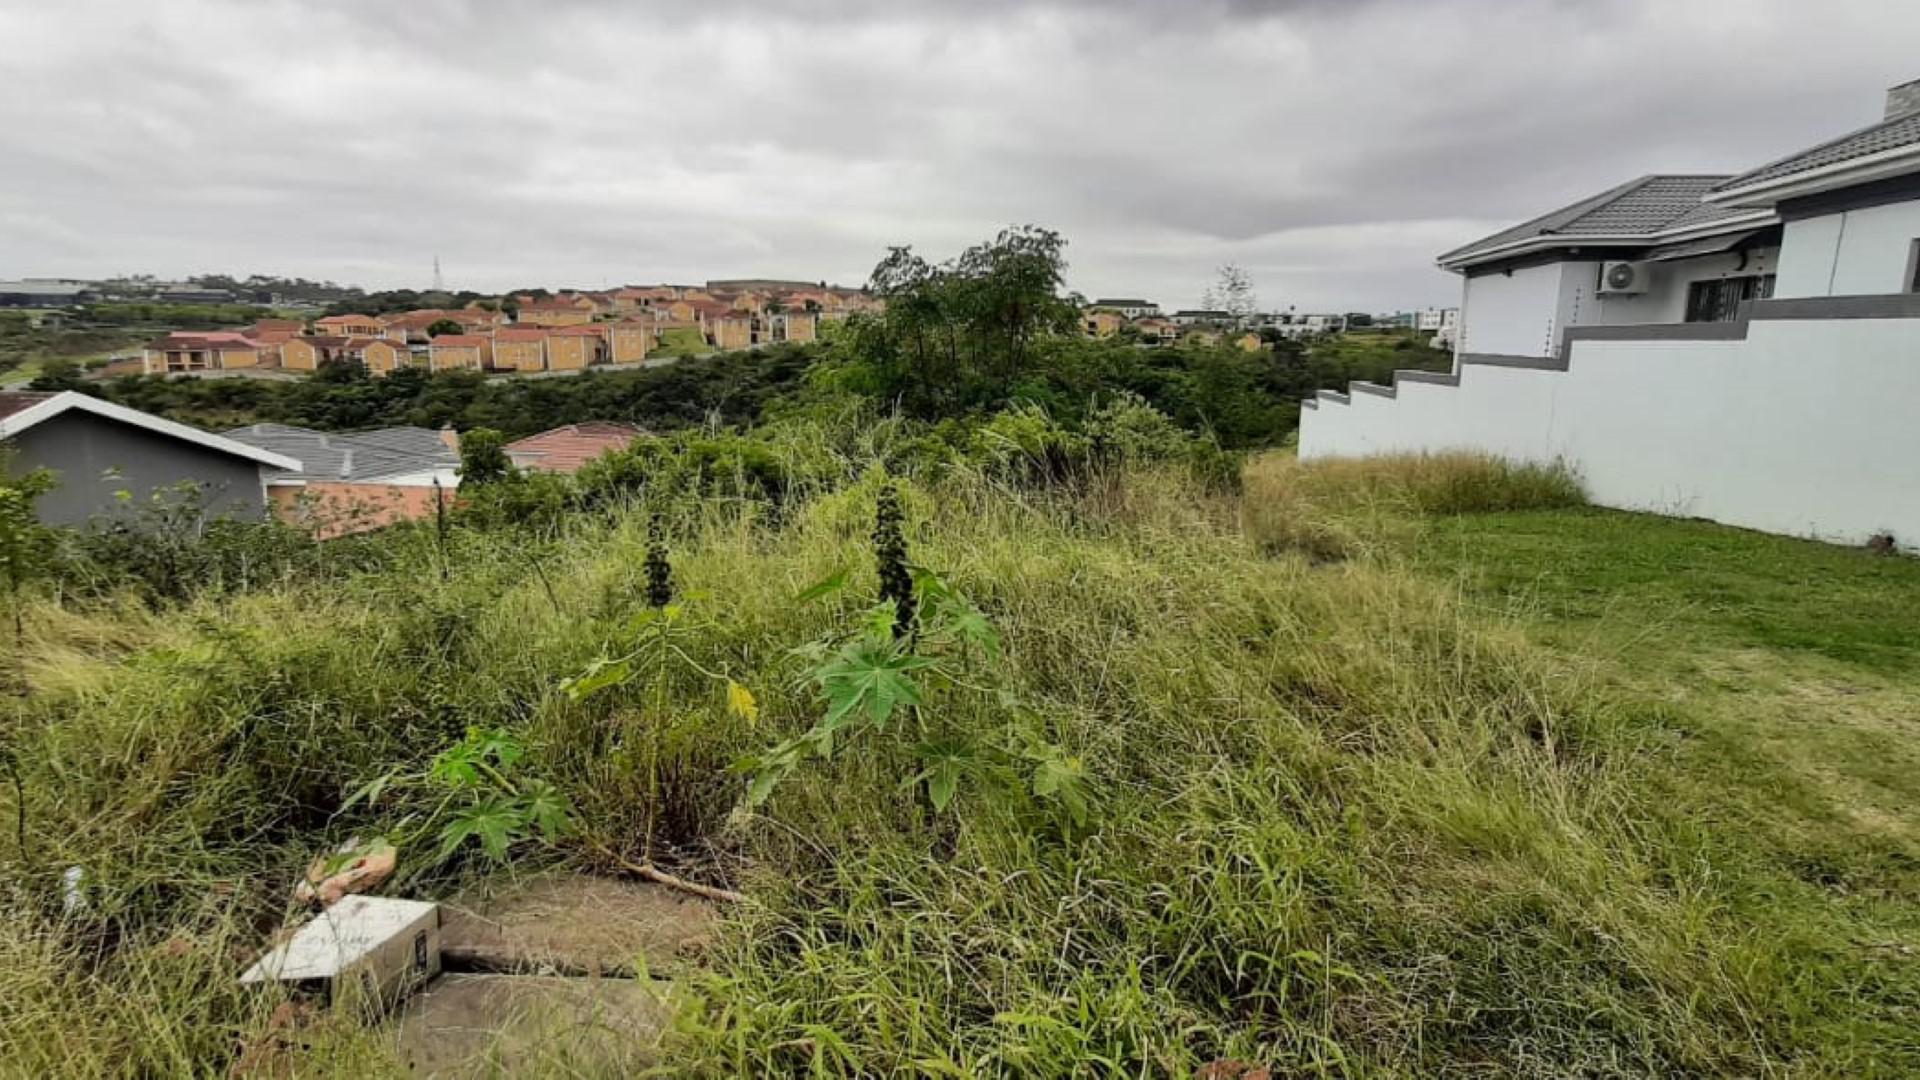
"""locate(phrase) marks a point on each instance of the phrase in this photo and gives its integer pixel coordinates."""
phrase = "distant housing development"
(1735, 347)
(1106, 318)
(565, 331)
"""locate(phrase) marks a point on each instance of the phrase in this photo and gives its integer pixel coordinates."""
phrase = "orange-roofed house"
(634, 297)
(219, 351)
(804, 300)
(378, 355)
(477, 318)
(459, 352)
(627, 340)
(1102, 323)
(566, 449)
(520, 349)
(796, 326)
(554, 313)
(412, 325)
(349, 326)
(730, 330)
(678, 311)
(571, 348)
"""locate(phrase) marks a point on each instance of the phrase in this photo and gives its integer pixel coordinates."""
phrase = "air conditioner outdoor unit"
(1623, 277)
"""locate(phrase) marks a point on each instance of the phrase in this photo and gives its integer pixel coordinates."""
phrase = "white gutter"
(1548, 241)
(1860, 170)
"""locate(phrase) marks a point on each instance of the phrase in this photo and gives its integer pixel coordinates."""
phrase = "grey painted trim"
(1735, 330)
(1371, 388)
(1913, 267)
(1438, 378)
(1541, 363)
(1309, 403)
(1888, 306)
(1334, 396)
(1896, 189)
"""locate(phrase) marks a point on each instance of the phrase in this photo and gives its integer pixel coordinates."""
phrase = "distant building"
(1132, 309)
(459, 352)
(1300, 326)
(351, 326)
(43, 292)
(193, 294)
(1201, 317)
(182, 353)
(1102, 322)
(554, 313)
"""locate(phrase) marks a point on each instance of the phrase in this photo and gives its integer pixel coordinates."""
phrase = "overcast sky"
(1332, 148)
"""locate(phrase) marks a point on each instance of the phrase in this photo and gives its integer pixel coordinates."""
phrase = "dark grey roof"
(358, 455)
(1124, 303)
(1643, 207)
(1886, 135)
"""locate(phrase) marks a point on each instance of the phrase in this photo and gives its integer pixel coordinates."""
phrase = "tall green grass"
(1342, 823)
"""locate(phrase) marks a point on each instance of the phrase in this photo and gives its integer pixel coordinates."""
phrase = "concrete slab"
(531, 1025)
(571, 925)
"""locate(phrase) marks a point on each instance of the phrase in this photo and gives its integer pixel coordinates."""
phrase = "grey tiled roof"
(359, 455)
(1886, 135)
(1643, 207)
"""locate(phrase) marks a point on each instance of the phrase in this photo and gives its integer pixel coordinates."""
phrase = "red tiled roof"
(520, 335)
(574, 331)
(458, 341)
(221, 339)
(565, 449)
(342, 320)
(13, 401)
(423, 317)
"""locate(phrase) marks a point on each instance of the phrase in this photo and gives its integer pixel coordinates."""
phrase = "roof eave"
(1549, 241)
(70, 400)
(1840, 174)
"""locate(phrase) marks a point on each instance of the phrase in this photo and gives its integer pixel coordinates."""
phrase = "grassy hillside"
(1405, 769)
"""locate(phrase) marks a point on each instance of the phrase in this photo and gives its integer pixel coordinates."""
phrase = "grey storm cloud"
(1330, 147)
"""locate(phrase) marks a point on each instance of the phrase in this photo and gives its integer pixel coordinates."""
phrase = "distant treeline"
(733, 387)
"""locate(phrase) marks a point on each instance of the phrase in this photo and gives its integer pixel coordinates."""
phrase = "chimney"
(1903, 100)
(450, 437)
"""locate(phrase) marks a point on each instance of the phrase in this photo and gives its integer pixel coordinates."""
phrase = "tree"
(56, 375)
(960, 335)
(23, 540)
(444, 326)
(483, 457)
(1232, 292)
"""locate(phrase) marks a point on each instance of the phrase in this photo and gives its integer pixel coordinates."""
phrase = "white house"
(1299, 326)
(1131, 308)
(1742, 348)
(1442, 323)
(1198, 317)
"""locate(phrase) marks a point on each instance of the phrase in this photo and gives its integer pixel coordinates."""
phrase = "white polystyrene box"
(372, 948)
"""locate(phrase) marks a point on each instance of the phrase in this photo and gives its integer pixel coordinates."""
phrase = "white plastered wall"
(1805, 427)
